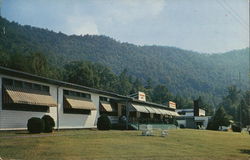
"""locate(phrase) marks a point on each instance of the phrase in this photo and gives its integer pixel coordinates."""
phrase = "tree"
(221, 118)
(161, 94)
(107, 78)
(232, 101)
(149, 84)
(233, 94)
(81, 73)
(38, 64)
(123, 85)
(4, 59)
(136, 86)
(149, 89)
(244, 109)
(183, 102)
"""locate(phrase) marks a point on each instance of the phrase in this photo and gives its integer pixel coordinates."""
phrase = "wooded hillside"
(184, 73)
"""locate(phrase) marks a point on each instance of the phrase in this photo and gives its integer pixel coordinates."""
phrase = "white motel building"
(72, 106)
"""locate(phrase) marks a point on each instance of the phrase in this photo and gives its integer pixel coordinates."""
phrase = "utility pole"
(239, 80)
(240, 116)
(0, 8)
(249, 69)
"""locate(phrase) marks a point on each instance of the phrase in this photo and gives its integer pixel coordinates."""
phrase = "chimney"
(196, 107)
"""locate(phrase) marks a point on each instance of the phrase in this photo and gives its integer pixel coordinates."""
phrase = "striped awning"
(150, 109)
(167, 112)
(174, 113)
(26, 96)
(157, 110)
(164, 112)
(79, 103)
(138, 108)
(107, 106)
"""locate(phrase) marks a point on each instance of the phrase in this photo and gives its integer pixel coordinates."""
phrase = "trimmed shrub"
(182, 126)
(212, 126)
(103, 122)
(35, 125)
(49, 123)
(236, 128)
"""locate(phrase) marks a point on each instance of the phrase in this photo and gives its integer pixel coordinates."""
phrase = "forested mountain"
(185, 73)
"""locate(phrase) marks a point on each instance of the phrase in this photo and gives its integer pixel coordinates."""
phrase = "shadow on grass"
(245, 151)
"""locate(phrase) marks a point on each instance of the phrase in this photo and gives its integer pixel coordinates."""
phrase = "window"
(18, 84)
(84, 95)
(77, 94)
(67, 106)
(8, 82)
(76, 111)
(22, 85)
(45, 88)
(26, 85)
(65, 92)
(37, 87)
(104, 99)
(105, 105)
(25, 107)
(21, 107)
(71, 93)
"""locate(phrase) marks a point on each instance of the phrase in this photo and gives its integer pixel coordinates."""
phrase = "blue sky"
(208, 26)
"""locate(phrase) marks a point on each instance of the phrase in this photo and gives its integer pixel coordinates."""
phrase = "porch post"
(127, 113)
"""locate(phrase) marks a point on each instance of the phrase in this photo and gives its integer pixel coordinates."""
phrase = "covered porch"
(146, 114)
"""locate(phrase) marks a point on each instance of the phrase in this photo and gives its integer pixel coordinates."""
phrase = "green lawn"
(115, 145)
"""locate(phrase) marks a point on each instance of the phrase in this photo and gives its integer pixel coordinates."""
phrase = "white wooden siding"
(10, 119)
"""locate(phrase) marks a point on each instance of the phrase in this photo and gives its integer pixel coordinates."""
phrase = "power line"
(235, 17)
(235, 13)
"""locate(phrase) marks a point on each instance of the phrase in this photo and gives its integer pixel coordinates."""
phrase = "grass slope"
(117, 145)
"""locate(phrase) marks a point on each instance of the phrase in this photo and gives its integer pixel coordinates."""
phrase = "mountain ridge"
(184, 72)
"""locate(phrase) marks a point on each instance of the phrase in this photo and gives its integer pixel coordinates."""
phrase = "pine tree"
(221, 118)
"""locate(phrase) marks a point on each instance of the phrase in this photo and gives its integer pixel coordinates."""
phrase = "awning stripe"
(165, 112)
(107, 106)
(79, 103)
(138, 108)
(31, 97)
(174, 113)
(158, 111)
(150, 109)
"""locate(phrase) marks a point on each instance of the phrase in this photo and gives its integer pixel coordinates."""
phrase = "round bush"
(35, 125)
(212, 126)
(103, 122)
(236, 128)
(182, 126)
(49, 123)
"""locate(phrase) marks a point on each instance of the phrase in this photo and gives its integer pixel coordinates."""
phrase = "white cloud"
(126, 11)
(149, 7)
(81, 25)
